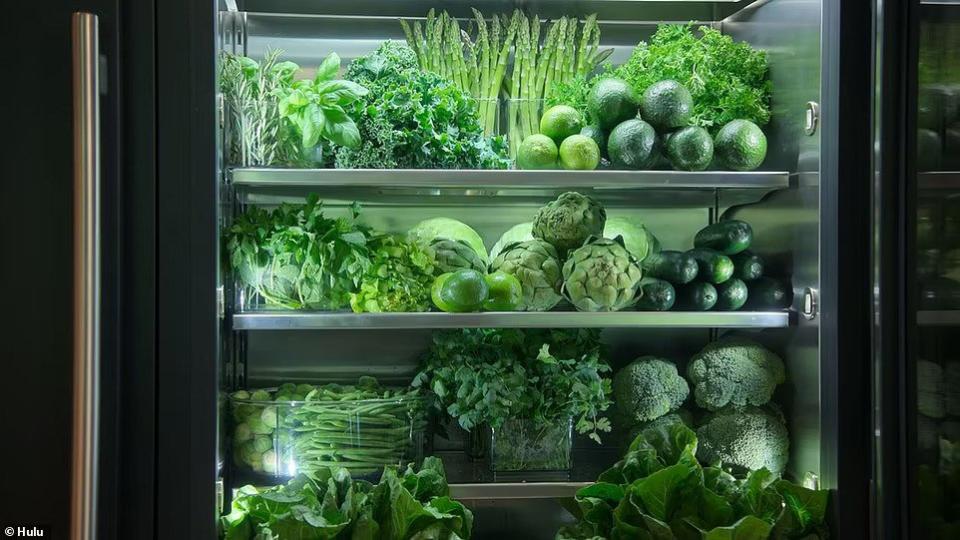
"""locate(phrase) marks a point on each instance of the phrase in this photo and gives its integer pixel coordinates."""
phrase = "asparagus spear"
(519, 61)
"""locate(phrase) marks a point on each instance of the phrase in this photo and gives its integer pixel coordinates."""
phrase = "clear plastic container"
(522, 120)
(524, 446)
(284, 438)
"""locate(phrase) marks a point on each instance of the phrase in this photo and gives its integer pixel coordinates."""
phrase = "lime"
(537, 152)
(460, 291)
(560, 122)
(579, 153)
(506, 293)
(611, 101)
(740, 145)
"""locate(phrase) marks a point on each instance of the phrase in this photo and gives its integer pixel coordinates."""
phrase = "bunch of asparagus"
(479, 65)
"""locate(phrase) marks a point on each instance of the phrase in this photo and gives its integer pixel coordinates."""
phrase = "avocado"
(666, 104)
(598, 136)
(728, 237)
(657, 295)
(769, 293)
(689, 148)
(610, 102)
(731, 295)
(740, 145)
(633, 145)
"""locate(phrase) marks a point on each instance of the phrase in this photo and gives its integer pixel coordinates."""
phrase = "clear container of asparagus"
(298, 428)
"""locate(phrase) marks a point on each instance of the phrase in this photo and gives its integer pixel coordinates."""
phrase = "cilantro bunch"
(485, 376)
(728, 80)
(412, 119)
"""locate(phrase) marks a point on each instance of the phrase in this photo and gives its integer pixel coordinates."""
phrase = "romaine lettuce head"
(429, 230)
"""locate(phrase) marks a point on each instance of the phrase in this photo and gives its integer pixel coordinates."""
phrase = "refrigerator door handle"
(86, 275)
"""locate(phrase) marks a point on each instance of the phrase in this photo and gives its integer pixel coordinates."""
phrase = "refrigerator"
(166, 338)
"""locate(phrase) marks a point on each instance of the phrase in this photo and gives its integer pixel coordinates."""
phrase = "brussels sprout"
(536, 264)
(269, 461)
(287, 388)
(601, 276)
(283, 397)
(269, 416)
(241, 394)
(242, 433)
(260, 395)
(568, 221)
(261, 444)
(304, 389)
(257, 426)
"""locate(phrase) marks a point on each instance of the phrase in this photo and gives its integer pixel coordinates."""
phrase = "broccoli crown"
(734, 372)
(751, 438)
(649, 388)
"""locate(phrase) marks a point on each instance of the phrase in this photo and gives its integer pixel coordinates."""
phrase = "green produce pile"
(275, 119)
(545, 377)
(304, 428)
(414, 119)
(733, 381)
(328, 504)
(719, 273)
(294, 257)
(659, 490)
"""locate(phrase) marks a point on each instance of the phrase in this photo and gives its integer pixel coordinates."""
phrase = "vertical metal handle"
(86, 275)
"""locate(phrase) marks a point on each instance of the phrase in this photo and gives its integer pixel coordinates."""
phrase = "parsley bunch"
(728, 80)
(485, 376)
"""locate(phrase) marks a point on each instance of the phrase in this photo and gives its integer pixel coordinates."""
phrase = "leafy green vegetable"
(329, 504)
(659, 491)
(316, 107)
(414, 119)
(728, 80)
(294, 257)
(398, 278)
(257, 133)
(545, 376)
(303, 428)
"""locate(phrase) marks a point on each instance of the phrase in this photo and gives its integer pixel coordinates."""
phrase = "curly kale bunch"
(734, 371)
(413, 119)
(648, 388)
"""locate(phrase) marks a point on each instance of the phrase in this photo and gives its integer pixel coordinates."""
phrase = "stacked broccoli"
(733, 380)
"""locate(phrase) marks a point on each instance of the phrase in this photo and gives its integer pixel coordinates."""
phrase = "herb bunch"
(414, 120)
(485, 376)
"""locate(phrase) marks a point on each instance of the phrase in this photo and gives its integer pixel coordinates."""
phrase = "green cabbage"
(429, 230)
(518, 233)
(635, 236)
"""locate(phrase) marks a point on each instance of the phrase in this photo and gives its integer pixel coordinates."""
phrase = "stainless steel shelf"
(508, 180)
(516, 490)
(556, 319)
(938, 318)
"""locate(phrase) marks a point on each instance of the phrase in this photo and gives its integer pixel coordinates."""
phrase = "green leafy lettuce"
(659, 491)
(330, 504)
(485, 376)
(398, 278)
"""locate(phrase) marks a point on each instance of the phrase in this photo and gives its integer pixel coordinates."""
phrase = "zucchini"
(673, 266)
(728, 237)
(697, 296)
(712, 266)
(747, 265)
(769, 293)
(731, 295)
(657, 295)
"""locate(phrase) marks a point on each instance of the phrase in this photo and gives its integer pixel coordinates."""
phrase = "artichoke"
(601, 276)
(536, 264)
(568, 221)
(453, 255)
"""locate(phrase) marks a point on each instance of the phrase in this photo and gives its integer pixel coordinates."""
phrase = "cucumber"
(747, 265)
(731, 295)
(657, 295)
(673, 266)
(769, 293)
(712, 266)
(697, 296)
(728, 237)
